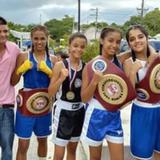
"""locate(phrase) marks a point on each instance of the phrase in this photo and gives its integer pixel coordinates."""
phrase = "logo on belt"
(113, 89)
(99, 65)
(154, 80)
(142, 94)
(38, 103)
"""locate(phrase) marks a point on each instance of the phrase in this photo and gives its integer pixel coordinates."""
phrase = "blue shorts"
(24, 126)
(145, 131)
(100, 124)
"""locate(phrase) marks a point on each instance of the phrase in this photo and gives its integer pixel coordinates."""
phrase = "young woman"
(69, 110)
(100, 123)
(34, 114)
(145, 115)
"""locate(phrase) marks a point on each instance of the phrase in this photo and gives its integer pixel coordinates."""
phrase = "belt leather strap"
(35, 102)
(6, 105)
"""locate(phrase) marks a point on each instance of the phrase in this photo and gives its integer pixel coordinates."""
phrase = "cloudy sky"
(40, 11)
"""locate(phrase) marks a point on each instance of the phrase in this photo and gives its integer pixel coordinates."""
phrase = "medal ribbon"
(70, 74)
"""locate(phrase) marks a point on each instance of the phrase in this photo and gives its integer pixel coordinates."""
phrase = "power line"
(40, 19)
(96, 19)
(142, 9)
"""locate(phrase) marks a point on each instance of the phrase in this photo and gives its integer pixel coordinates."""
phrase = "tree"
(58, 28)
(152, 21)
(17, 27)
(133, 21)
(100, 25)
(91, 51)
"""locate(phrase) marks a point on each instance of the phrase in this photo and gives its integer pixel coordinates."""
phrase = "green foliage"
(52, 43)
(100, 25)
(114, 25)
(92, 50)
(19, 27)
(12, 38)
(29, 27)
(16, 27)
(152, 21)
(62, 29)
(58, 28)
(133, 21)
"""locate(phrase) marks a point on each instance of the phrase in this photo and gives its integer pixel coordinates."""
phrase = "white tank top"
(141, 73)
(143, 70)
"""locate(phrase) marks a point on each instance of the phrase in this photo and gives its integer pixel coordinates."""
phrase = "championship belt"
(33, 102)
(115, 89)
(148, 89)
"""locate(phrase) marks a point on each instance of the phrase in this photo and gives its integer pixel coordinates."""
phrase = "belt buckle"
(75, 106)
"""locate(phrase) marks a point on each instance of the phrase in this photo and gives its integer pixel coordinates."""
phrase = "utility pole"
(142, 9)
(79, 15)
(96, 20)
(40, 19)
(73, 29)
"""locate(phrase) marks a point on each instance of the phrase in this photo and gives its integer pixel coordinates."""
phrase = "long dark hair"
(3, 21)
(104, 34)
(43, 29)
(143, 30)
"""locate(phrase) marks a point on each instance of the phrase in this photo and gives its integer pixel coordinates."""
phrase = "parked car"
(153, 42)
(124, 46)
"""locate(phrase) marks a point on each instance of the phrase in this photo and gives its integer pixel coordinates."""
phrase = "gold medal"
(70, 95)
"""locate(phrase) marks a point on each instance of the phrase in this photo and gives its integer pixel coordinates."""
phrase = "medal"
(70, 95)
